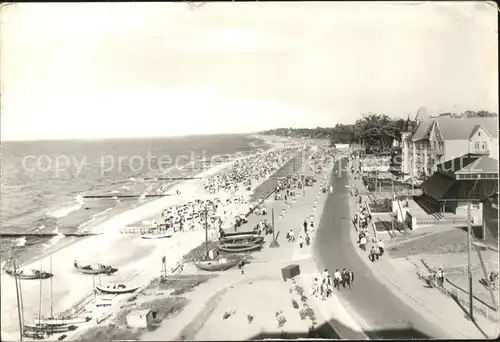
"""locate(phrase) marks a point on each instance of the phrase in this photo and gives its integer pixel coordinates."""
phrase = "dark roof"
(441, 187)
(469, 189)
(437, 185)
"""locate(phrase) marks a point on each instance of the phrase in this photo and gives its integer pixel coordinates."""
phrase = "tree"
(377, 130)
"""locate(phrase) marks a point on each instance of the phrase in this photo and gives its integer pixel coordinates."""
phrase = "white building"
(436, 140)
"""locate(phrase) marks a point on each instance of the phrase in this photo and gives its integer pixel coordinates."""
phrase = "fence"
(461, 297)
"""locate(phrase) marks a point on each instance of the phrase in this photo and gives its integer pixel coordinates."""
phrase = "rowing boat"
(221, 264)
(56, 322)
(238, 239)
(239, 233)
(157, 235)
(116, 289)
(35, 274)
(236, 248)
(94, 269)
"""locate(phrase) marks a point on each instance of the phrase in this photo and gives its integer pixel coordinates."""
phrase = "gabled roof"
(462, 128)
(421, 130)
(483, 164)
(476, 128)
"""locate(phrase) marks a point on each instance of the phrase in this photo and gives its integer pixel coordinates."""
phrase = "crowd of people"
(324, 288)
(229, 189)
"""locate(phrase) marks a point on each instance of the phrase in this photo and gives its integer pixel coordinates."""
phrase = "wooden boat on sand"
(242, 239)
(56, 322)
(116, 289)
(36, 329)
(163, 235)
(239, 247)
(220, 264)
(94, 269)
(239, 233)
(35, 274)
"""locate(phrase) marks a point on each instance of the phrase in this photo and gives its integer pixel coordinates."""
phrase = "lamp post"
(469, 271)
(274, 243)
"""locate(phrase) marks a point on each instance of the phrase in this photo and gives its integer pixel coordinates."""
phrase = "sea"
(43, 183)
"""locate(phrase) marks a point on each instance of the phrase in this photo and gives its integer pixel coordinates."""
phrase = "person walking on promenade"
(351, 278)
(308, 239)
(381, 247)
(325, 274)
(329, 286)
(324, 289)
(315, 287)
(440, 277)
(331, 189)
(305, 226)
(362, 243)
(301, 241)
(336, 279)
(372, 254)
(343, 275)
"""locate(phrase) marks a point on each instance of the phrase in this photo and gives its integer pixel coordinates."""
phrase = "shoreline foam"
(62, 258)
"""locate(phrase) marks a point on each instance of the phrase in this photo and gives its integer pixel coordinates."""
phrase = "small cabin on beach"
(140, 318)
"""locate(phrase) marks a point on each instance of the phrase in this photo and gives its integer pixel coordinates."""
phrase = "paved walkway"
(428, 302)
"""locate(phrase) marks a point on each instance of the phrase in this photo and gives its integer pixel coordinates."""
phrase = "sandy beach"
(138, 260)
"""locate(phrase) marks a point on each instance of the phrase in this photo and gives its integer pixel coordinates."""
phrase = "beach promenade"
(261, 293)
(381, 309)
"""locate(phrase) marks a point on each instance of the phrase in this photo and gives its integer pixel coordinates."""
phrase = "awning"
(437, 185)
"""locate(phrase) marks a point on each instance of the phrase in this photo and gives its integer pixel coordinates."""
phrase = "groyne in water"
(170, 178)
(43, 235)
(123, 196)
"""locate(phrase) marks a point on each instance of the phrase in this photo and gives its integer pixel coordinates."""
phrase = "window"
(479, 133)
(483, 146)
(477, 146)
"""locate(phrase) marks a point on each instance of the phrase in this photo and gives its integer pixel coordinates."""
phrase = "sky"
(105, 70)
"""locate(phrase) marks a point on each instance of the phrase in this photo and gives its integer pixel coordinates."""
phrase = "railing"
(459, 295)
(435, 220)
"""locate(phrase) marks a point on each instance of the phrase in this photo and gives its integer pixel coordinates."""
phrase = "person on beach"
(308, 239)
(336, 279)
(301, 241)
(305, 226)
(331, 189)
(292, 236)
